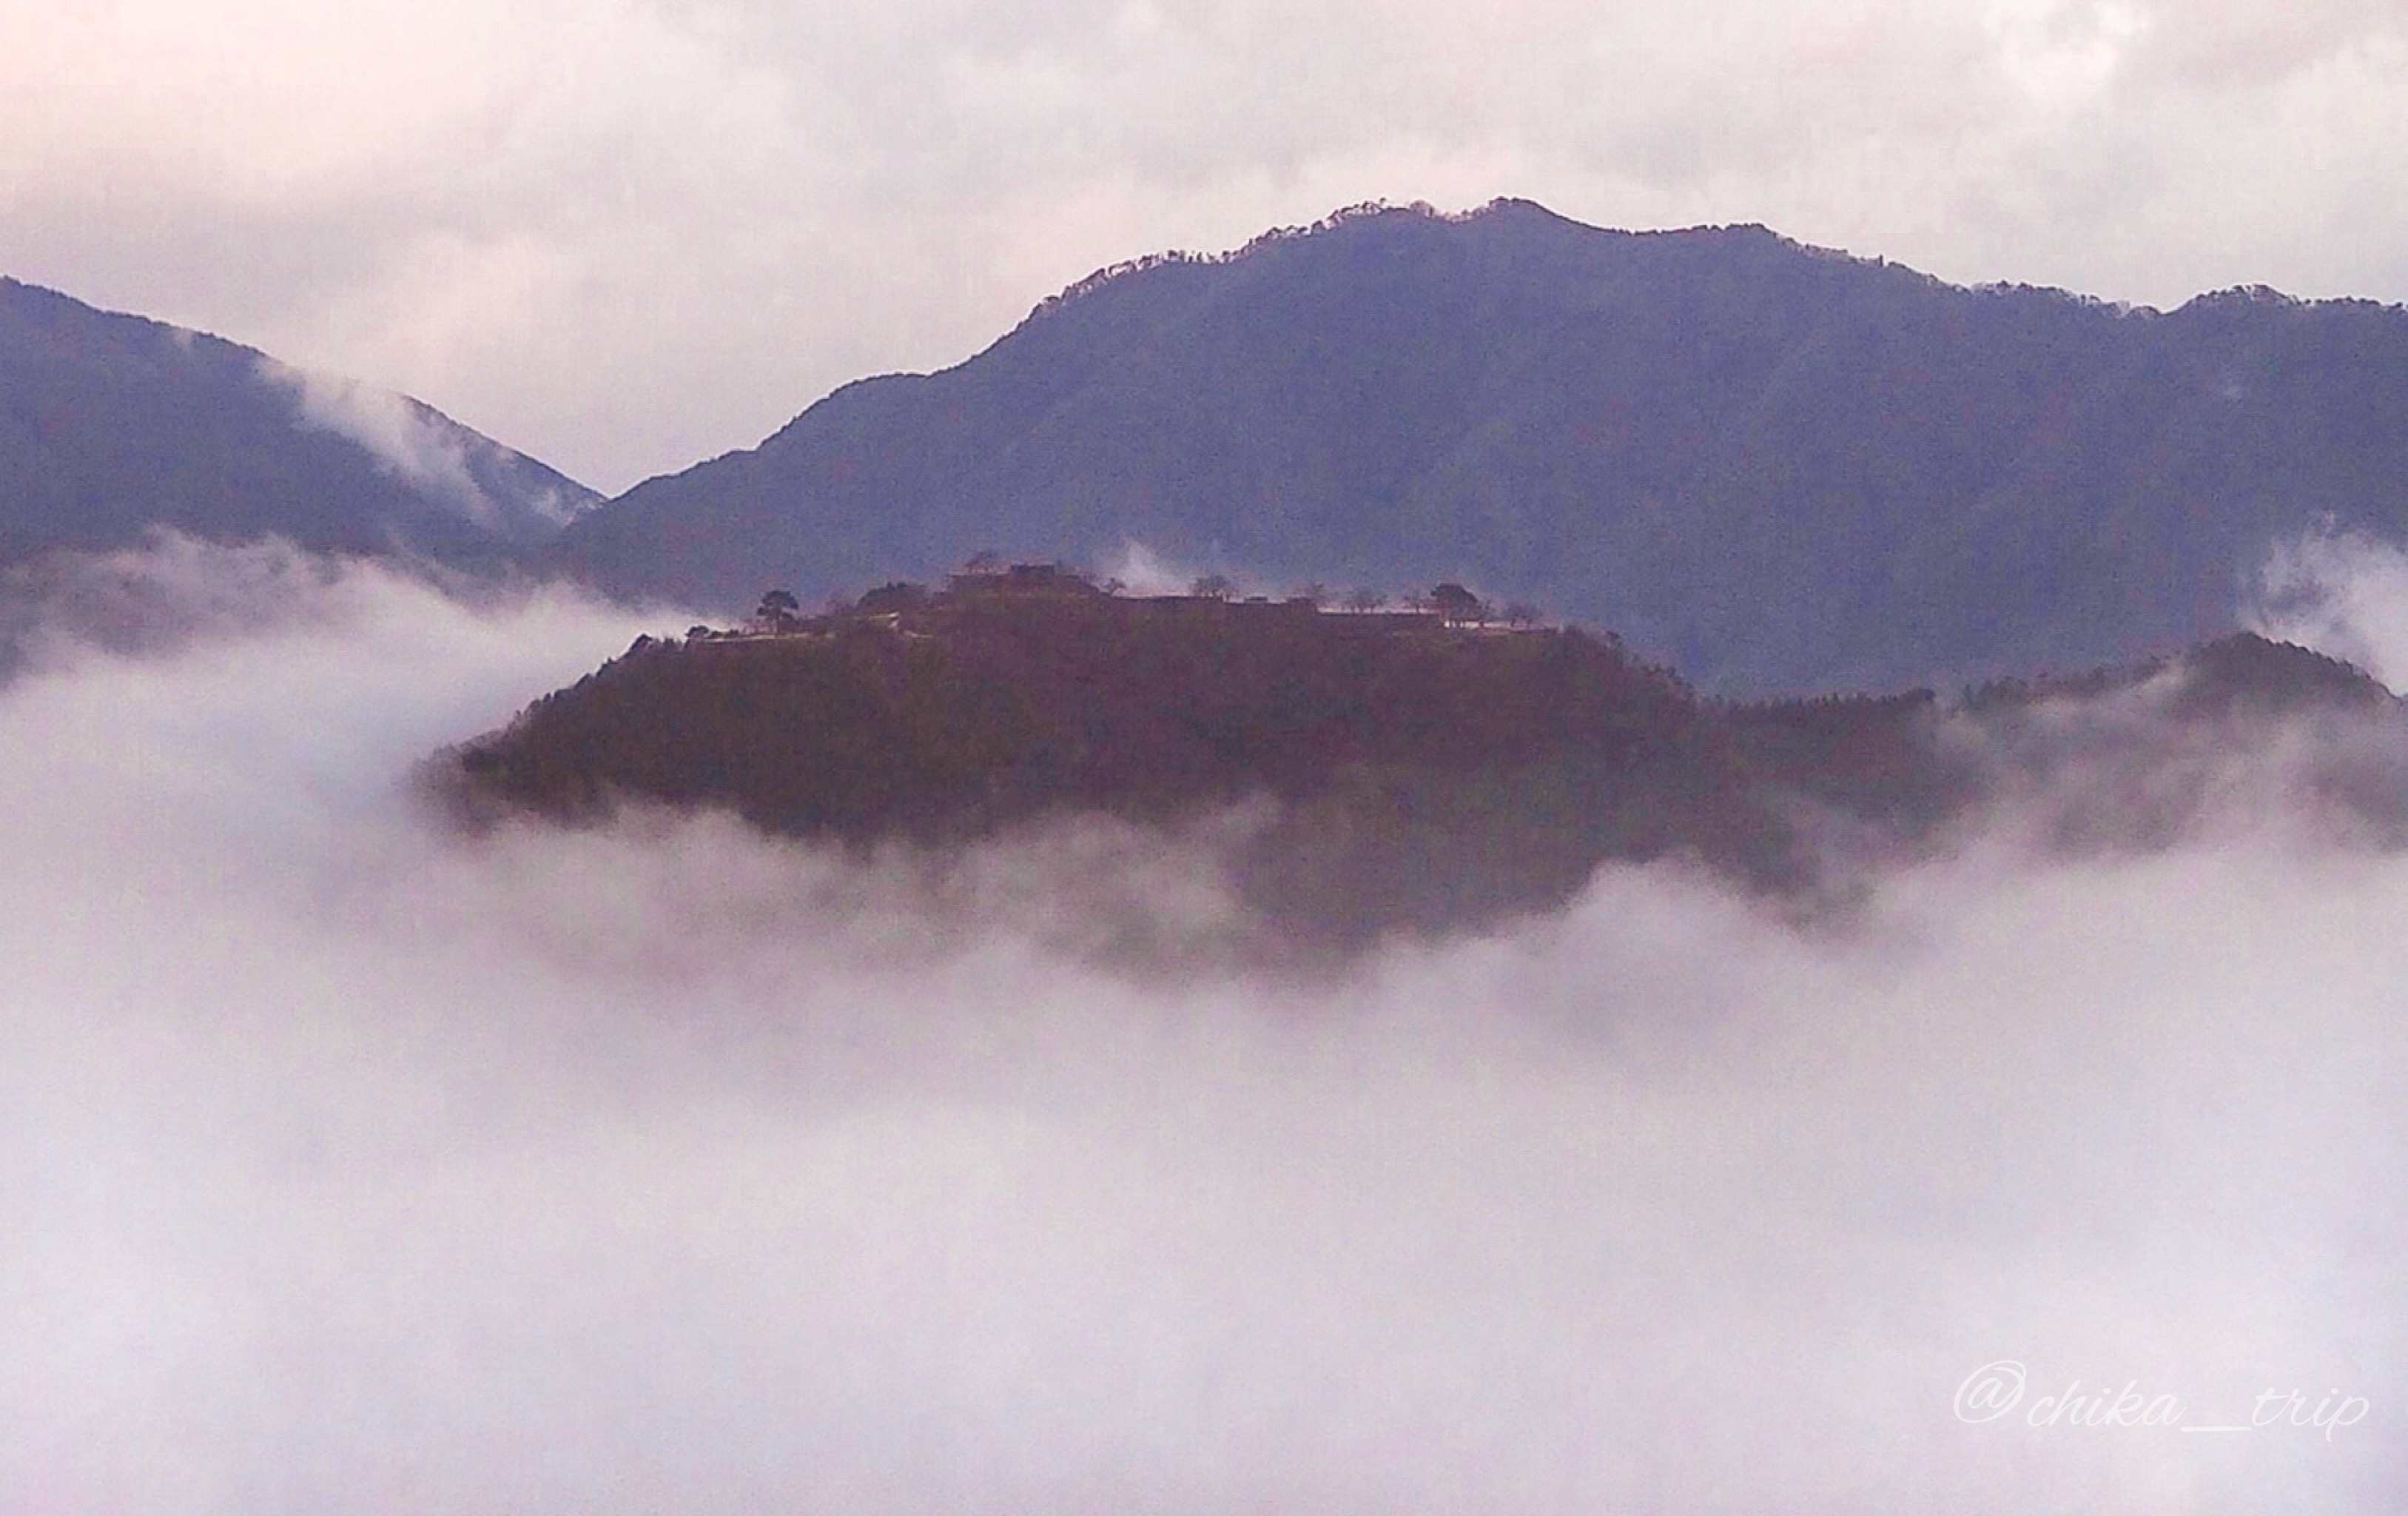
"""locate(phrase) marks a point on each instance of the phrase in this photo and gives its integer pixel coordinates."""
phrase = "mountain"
(112, 424)
(1404, 770)
(1779, 468)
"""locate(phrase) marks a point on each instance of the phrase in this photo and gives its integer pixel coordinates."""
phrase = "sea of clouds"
(348, 1163)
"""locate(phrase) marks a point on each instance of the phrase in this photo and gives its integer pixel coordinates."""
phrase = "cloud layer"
(353, 1165)
(628, 235)
(2343, 594)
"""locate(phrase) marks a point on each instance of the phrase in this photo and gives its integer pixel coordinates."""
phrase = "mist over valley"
(1534, 870)
(357, 1161)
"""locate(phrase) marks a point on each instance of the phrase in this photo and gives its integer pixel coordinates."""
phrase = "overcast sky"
(626, 234)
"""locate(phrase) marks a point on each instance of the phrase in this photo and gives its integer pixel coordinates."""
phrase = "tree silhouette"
(779, 610)
(895, 594)
(1456, 603)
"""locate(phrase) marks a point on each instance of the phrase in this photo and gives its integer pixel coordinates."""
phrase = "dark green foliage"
(1142, 707)
(898, 596)
(1456, 603)
(1422, 775)
(1423, 771)
(851, 732)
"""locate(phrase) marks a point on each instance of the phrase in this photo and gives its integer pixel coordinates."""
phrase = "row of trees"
(1450, 600)
(780, 610)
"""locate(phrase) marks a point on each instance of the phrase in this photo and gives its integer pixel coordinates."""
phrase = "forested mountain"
(112, 424)
(1779, 468)
(1409, 771)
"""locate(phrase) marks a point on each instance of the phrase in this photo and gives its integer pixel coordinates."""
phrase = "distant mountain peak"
(113, 424)
(1777, 466)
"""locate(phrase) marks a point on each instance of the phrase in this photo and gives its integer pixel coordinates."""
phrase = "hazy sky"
(628, 234)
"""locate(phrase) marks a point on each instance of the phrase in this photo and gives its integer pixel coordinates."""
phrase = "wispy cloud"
(401, 434)
(2344, 594)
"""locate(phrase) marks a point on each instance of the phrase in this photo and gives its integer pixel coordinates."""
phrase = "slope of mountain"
(1408, 772)
(111, 425)
(1777, 466)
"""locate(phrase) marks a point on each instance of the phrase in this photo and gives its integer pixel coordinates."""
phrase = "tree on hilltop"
(1456, 603)
(779, 610)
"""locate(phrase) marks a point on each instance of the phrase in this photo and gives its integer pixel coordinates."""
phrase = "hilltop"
(1777, 468)
(1422, 770)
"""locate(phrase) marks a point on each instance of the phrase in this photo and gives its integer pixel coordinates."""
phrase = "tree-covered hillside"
(1778, 467)
(113, 424)
(1408, 770)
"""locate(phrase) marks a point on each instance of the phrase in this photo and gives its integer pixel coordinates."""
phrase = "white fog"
(348, 1164)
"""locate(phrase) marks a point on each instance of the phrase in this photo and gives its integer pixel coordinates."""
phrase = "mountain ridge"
(114, 424)
(1781, 467)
